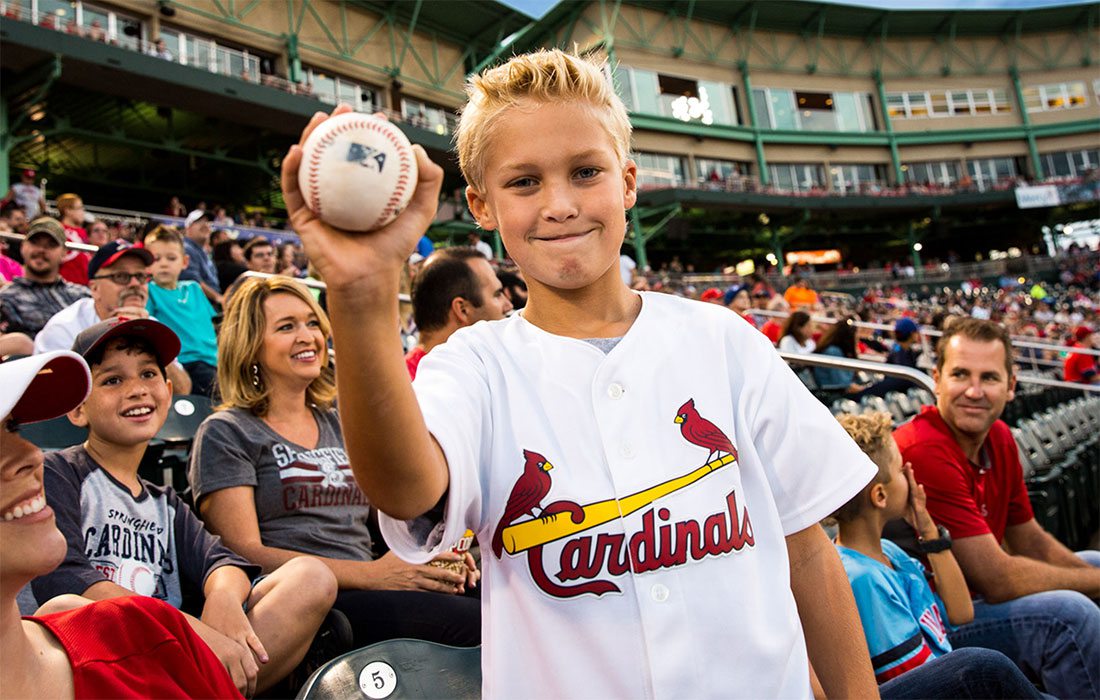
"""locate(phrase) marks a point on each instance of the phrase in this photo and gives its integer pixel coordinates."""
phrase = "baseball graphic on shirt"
(358, 172)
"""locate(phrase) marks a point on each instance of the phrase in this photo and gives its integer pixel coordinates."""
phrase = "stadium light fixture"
(918, 247)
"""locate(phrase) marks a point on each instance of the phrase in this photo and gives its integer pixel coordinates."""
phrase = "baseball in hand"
(358, 172)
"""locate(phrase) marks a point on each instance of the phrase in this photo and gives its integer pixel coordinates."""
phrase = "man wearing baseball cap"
(29, 301)
(1081, 367)
(117, 279)
(200, 267)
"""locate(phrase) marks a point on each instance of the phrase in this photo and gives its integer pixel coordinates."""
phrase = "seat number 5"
(377, 680)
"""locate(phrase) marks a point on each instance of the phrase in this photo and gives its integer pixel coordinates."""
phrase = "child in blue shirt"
(182, 306)
(905, 623)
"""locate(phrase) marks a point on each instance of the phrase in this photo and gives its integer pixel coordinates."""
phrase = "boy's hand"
(397, 575)
(226, 616)
(918, 516)
(347, 258)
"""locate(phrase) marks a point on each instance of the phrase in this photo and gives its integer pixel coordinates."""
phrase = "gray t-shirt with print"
(306, 498)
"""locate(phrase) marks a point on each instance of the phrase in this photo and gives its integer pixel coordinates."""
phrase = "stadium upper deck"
(757, 124)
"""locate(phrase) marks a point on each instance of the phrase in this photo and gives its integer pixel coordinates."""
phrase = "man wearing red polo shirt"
(1032, 593)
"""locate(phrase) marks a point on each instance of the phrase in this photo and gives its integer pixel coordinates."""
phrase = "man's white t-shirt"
(63, 327)
(687, 595)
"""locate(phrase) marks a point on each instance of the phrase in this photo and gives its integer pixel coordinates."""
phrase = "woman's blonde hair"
(543, 76)
(241, 339)
(873, 432)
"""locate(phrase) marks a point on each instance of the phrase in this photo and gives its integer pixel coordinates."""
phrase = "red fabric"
(772, 330)
(137, 647)
(748, 317)
(919, 658)
(1079, 367)
(74, 266)
(412, 360)
(966, 499)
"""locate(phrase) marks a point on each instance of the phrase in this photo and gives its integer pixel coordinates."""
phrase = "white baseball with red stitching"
(358, 172)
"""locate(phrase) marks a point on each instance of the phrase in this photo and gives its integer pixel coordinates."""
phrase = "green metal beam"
(750, 102)
(1029, 133)
(409, 35)
(44, 85)
(895, 158)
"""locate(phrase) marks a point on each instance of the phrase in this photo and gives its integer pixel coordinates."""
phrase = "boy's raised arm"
(396, 462)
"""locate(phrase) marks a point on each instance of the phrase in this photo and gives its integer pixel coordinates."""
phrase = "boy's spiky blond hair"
(546, 75)
(873, 433)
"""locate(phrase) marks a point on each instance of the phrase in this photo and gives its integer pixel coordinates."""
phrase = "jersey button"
(659, 592)
(615, 391)
(627, 451)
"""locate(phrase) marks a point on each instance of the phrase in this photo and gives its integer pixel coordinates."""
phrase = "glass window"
(171, 40)
(1057, 165)
(1000, 100)
(797, 177)
(659, 170)
(988, 172)
(938, 101)
(1033, 101)
(95, 23)
(646, 92)
(718, 100)
(324, 87)
(918, 104)
(895, 105)
(56, 14)
(782, 108)
(1076, 94)
(760, 107)
(982, 103)
(624, 87)
(960, 102)
(848, 117)
(942, 173)
(719, 173)
(867, 110)
(854, 179)
(1055, 96)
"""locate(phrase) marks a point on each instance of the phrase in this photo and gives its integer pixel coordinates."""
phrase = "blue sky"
(537, 8)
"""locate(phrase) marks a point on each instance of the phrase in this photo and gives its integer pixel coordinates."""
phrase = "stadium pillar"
(1032, 149)
(895, 159)
(914, 249)
(639, 239)
(293, 59)
(5, 147)
(761, 161)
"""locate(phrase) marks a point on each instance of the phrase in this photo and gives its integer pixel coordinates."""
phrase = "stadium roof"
(481, 23)
(872, 17)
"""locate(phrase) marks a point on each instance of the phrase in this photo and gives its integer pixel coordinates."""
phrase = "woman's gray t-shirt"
(306, 499)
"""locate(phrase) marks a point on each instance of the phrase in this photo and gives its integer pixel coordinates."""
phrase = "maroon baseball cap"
(166, 344)
(28, 173)
(1081, 332)
(110, 253)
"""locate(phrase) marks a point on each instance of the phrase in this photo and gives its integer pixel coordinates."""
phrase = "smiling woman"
(270, 475)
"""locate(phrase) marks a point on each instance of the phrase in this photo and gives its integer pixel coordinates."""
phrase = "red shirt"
(772, 329)
(1080, 367)
(966, 498)
(413, 358)
(74, 265)
(137, 647)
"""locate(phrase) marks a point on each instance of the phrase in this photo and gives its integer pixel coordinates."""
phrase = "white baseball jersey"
(639, 501)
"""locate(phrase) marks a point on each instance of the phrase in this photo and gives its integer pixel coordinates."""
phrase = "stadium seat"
(398, 669)
(874, 404)
(174, 440)
(922, 397)
(844, 406)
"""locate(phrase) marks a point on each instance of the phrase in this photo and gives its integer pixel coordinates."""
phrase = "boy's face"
(897, 491)
(557, 192)
(130, 397)
(31, 543)
(169, 263)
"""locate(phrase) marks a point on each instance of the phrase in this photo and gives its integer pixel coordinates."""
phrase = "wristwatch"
(941, 544)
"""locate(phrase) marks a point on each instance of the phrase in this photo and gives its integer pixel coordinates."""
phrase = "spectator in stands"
(159, 49)
(627, 269)
(99, 233)
(175, 208)
(838, 341)
(181, 305)
(74, 264)
(906, 352)
(798, 334)
(473, 239)
(737, 299)
(1080, 367)
(29, 301)
(712, 295)
(455, 288)
(9, 267)
(118, 290)
(800, 296)
(515, 288)
(128, 537)
(903, 619)
(1031, 606)
(132, 646)
(229, 262)
(286, 260)
(222, 217)
(259, 255)
(27, 195)
(200, 268)
(270, 475)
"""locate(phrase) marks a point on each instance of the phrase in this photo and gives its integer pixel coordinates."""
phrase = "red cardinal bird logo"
(700, 431)
(531, 487)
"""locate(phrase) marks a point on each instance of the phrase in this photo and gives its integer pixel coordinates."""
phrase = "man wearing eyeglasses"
(118, 280)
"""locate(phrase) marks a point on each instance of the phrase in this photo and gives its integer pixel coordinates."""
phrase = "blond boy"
(633, 547)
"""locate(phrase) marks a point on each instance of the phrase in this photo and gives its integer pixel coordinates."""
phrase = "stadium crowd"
(272, 562)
